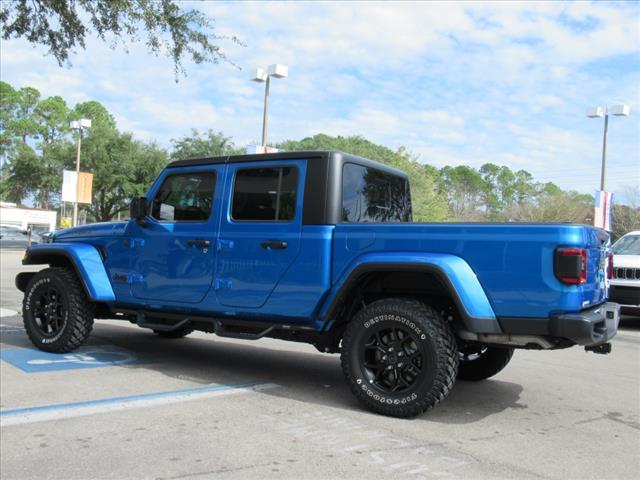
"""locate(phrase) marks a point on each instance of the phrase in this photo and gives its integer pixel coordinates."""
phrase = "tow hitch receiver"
(602, 349)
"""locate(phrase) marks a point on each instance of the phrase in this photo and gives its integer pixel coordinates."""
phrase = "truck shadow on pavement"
(306, 376)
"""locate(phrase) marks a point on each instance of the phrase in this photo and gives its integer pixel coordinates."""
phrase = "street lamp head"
(595, 112)
(277, 70)
(259, 75)
(82, 124)
(619, 110)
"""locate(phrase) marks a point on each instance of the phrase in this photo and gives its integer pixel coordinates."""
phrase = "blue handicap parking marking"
(31, 360)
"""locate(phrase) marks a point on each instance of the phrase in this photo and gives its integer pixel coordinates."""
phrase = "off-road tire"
(432, 338)
(486, 363)
(180, 333)
(76, 310)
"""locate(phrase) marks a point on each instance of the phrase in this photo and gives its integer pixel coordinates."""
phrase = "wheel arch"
(83, 259)
(448, 278)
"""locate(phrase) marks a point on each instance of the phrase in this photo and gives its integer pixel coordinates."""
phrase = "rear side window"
(185, 198)
(374, 196)
(265, 194)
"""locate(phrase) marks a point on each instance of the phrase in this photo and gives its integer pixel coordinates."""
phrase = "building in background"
(24, 217)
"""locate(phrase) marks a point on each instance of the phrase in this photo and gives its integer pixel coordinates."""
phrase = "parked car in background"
(16, 237)
(625, 283)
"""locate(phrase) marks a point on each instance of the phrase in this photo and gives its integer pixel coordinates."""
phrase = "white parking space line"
(45, 413)
(7, 312)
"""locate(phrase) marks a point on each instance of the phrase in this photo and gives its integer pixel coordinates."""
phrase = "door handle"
(199, 243)
(274, 245)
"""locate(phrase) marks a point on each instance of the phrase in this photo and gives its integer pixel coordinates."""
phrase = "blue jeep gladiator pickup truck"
(319, 247)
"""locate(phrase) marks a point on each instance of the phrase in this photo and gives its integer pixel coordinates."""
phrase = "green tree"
(625, 217)
(552, 207)
(30, 128)
(208, 144)
(464, 190)
(23, 123)
(9, 101)
(38, 145)
(23, 171)
(504, 188)
(492, 197)
(52, 115)
(428, 203)
(122, 167)
(62, 26)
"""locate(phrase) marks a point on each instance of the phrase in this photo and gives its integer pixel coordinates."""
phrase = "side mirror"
(138, 209)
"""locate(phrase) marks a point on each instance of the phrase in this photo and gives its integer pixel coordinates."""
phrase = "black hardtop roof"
(326, 155)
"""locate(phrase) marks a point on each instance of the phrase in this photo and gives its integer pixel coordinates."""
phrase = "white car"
(625, 284)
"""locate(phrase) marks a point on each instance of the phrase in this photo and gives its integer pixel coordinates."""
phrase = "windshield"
(629, 245)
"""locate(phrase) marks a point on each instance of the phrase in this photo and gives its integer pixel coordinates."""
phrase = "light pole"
(599, 112)
(79, 125)
(278, 71)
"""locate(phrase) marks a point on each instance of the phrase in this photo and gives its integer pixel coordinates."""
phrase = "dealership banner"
(77, 187)
(602, 214)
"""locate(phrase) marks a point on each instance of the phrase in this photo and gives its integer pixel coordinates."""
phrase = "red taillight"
(571, 265)
(610, 267)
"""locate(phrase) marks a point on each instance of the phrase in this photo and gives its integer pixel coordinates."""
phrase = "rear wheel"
(479, 362)
(57, 314)
(399, 357)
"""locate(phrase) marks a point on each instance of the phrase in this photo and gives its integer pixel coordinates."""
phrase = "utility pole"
(260, 75)
(79, 125)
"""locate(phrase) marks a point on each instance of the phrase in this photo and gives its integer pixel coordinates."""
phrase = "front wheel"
(399, 357)
(56, 312)
(478, 362)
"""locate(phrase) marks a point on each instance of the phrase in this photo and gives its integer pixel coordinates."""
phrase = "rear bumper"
(589, 327)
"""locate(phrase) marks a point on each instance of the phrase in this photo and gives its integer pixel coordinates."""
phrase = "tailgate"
(595, 290)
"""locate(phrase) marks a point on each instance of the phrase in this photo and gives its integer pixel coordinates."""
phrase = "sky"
(454, 83)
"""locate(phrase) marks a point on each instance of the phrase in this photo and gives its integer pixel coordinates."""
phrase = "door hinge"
(221, 244)
(135, 278)
(221, 283)
(133, 242)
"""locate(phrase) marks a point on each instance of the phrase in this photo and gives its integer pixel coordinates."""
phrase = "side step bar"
(221, 331)
(232, 328)
(161, 327)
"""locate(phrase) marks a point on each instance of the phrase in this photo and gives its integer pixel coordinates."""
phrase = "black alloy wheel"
(399, 357)
(57, 314)
(49, 310)
(393, 359)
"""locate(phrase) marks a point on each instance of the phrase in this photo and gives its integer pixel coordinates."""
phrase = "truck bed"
(514, 263)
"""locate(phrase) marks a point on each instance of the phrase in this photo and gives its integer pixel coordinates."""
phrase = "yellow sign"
(85, 185)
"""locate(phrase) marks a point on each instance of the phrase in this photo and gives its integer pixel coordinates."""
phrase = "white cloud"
(454, 82)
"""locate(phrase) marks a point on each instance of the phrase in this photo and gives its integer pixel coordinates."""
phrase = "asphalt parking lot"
(132, 405)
